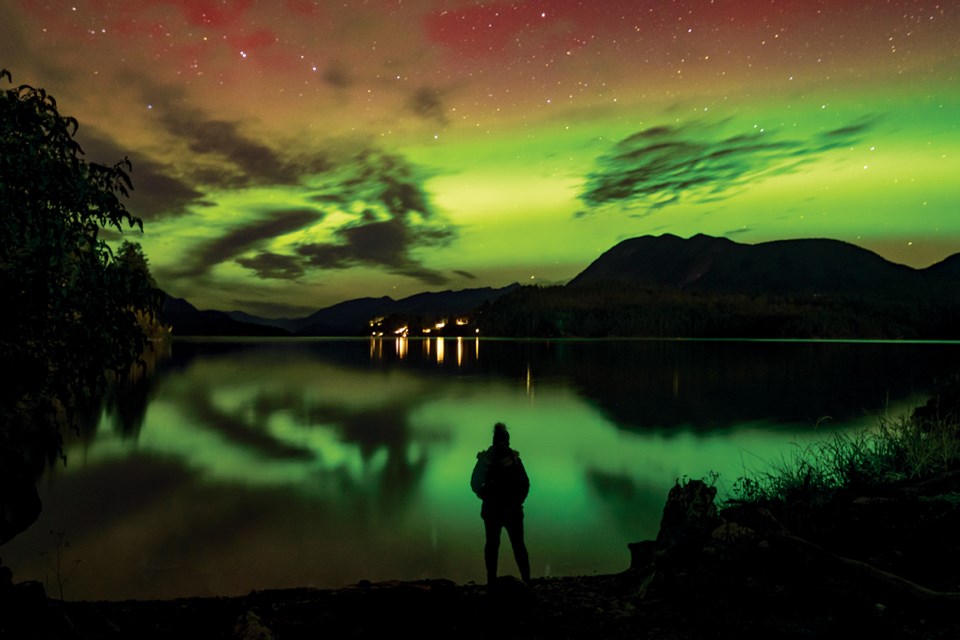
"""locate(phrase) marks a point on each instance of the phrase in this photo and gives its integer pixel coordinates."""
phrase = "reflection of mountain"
(718, 384)
(721, 384)
(646, 384)
(638, 384)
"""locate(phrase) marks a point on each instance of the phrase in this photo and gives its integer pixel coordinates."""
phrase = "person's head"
(501, 437)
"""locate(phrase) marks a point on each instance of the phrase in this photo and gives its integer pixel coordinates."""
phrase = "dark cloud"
(374, 243)
(336, 75)
(244, 238)
(465, 274)
(383, 193)
(423, 274)
(385, 244)
(659, 166)
(257, 163)
(327, 198)
(223, 155)
(156, 191)
(384, 180)
(239, 158)
(393, 217)
(327, 255)
(273, 266)
(426, 103)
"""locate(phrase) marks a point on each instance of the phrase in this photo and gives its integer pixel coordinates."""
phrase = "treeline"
(78, 316)
(616, 311)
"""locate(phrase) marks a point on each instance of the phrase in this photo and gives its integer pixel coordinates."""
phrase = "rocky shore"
(884, 564)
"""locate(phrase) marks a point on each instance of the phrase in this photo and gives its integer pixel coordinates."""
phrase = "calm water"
(254, 465)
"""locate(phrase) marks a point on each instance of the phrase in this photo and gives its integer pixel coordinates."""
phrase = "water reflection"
(429, 346)
(251, 465)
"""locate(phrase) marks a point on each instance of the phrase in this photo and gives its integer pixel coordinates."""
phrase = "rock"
(249, 626)
(733, 532)
(641, 554)
(683, 541)
(510, 599)
(509, 588)
(30, 591)
(689, 516)
(6, 578)
(944, 406)
(757, 519)
(19, 500)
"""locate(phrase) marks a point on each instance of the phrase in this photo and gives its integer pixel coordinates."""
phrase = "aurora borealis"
(289, 155)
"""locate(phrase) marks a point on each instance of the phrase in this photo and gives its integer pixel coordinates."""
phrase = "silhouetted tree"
(70, 305)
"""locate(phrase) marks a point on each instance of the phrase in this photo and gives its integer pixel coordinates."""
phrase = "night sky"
(291, 154)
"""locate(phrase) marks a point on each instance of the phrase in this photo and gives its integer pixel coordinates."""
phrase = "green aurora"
(288, 160)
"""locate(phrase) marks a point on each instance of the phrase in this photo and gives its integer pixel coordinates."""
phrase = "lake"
(255, 464)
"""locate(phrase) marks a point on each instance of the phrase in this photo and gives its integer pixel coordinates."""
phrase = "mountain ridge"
(665, 285)
(708, 287)
(347, 318)
(782, 267)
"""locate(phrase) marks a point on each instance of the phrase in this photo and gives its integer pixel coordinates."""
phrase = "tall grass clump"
(898, 450)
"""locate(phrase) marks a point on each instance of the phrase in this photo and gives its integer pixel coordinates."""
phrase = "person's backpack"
(506, 481)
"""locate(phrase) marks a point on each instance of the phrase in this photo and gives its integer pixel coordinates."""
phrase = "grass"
(899, 449)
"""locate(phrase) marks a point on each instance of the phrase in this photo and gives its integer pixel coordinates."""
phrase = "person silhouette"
(500, 480)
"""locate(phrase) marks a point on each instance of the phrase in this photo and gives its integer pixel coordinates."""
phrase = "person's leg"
(514, 526)
(492, 548)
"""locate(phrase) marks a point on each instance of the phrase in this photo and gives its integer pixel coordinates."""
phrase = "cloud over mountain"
(660, 166)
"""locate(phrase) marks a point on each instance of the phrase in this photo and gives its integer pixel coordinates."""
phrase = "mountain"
(664, 286)
(351, 317)
(287, 324)
(706, 287)
(348, 318)
(946, 272)
(186, 320)
(343, 318)
(784, 267)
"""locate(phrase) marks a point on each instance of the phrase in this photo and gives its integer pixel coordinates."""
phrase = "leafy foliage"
(901, 448)
(71, 305)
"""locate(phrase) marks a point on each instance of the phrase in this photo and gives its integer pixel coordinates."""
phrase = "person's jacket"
(500, 480)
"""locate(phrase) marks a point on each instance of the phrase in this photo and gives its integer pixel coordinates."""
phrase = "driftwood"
(690, 523)
(884, 581)
(933, 485)
(880, 581)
